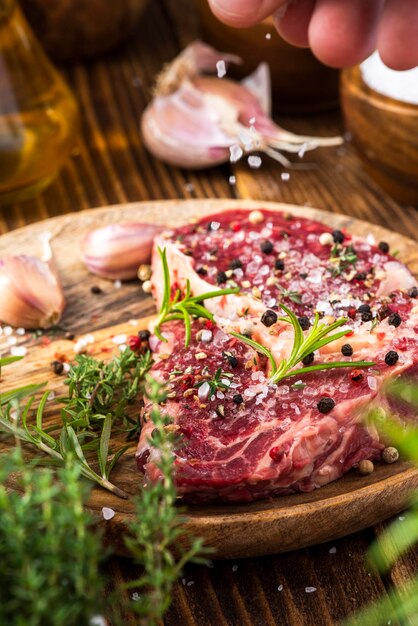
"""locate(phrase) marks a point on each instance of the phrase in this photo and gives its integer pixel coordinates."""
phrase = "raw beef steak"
(250, 438)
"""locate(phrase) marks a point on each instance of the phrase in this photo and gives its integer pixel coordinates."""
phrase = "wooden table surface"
(110, 165)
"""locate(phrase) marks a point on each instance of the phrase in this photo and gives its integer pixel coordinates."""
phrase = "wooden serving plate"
(276, 525)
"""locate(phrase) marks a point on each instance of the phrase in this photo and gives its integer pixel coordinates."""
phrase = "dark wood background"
(110, 165)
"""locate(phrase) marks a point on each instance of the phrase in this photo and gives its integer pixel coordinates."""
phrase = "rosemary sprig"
(341, 258)
(158, 539)
(294, 296)
(318, 336)
(183, 306)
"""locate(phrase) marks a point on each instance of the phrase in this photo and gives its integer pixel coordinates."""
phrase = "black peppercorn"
(96, 289)
(413, 292)
(363, 308)
(58, 367)
(266, 247)
(235, 264)
(383, 247)
(69, 336)
(303, 275)
(269, 318)
(237, 398)
(394, 319)
(347, 350)
(144, 335)
(360, 276)
(367, 316)
(304, 322)
(232, 360)
(221, 278)
(279, 265)
(202, 271)
(338, 236)
(356, 376)
(309, 358)
(391, 357)
(325, 405)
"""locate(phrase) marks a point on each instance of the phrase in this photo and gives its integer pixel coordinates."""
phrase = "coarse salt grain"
(20, 331)
(234, 568)
(97, 620)
(221, 68)
(18, 350)
(135, 596)
(8, 330)
(66, 367)
(285, 176)
(232, 180)
(50, 396)
(252, 120)
(108, 513)
(190, 583)
(332, 550)
(254, 161)
(280, 588)
(310, 589)
(11, 341)
(117, 284)
(401, 518)
(119, 339)
(235, 153)
(268, 35)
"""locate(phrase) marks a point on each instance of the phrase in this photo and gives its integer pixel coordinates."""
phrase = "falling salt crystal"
(50, 396)
(107, 513)
(235, 153)
(20, 331)
(251, 120)
(268, 35)
(117, 284)
(310, 589)
(135, 596)
(280, 588)
(190, 583)
(119, 339)
(302, 151)
(221, 68)
(333, 550)
(97, 620)
(66, 367)
(234, 568)
(8, 330)
(232, 180)
(285, 176)
(189, 187)
(18, 350)
(401, 518)
(254, 161)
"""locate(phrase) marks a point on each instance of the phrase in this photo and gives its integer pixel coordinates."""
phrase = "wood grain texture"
(276, 525)
(110, 165)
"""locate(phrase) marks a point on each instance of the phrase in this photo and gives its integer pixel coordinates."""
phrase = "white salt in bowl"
(380, 108)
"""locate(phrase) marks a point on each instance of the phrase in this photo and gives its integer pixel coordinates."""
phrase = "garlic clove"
(30, 293)
(116, 251)
(194, 120)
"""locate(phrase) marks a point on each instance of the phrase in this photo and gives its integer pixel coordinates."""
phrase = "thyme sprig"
(96, 406)
(183, 306)
(318, 336)
(294, 296)
(341, 257)
(158, 540)
(217, 382)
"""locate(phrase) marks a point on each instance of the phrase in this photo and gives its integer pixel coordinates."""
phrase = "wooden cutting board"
(277, 525)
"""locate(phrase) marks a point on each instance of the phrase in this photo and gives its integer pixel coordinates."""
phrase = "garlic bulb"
(116, 251)
(196, 121)
(30, 292)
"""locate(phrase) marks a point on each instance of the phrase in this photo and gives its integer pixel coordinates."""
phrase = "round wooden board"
(277, 525)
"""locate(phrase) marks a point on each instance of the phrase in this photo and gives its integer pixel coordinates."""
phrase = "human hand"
(339, 32)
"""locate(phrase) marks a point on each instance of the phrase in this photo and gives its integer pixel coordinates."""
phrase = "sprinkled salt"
(332, 550)
(89, 339)
(235, 153)
(399, 85)
(206, 336)
(119, 339)
(252, 120)
(50, 396)
(66, 367)
(234, 568)
(254, 161)
(302, 151)
(117, 284)
(221, 68)
(190, 583)
(280, 588)
(203, 391)
(108, 513)
(232, 180)
(372, 382)
(97, 620)
(268, 35)
(11, 341)
(18, 350)
(310, 589)
(133, 322)
(8, 330)
(285, 176)
(135, 596)
(20, 331)
(401, 518)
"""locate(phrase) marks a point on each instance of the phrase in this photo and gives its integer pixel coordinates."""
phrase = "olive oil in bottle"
(38, 113)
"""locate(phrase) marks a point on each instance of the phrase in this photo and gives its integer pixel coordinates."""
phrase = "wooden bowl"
(300, 83)
(72, 29)
(385, 132)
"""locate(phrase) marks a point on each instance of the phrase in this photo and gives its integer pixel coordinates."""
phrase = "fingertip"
(397, 39)
(244, 13)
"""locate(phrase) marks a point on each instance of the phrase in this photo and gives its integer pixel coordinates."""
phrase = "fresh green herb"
(158, 535)
(49, 553)
(318, 336)
(98, 397)
(294, 296)
(341, 257)
(217, 382)
(183, 306)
